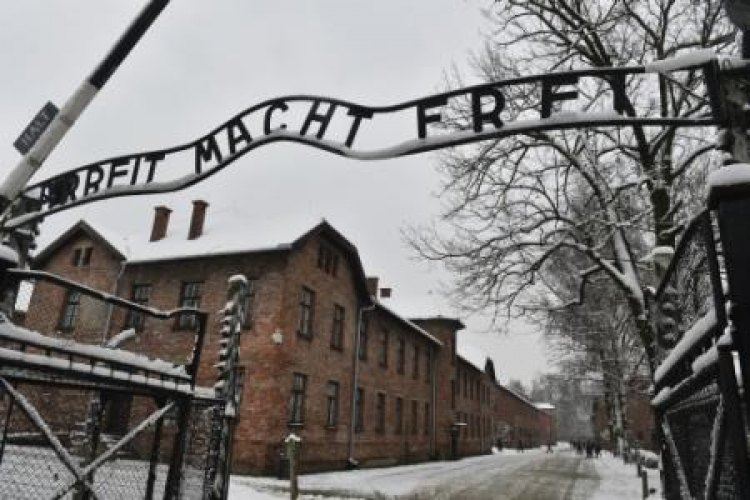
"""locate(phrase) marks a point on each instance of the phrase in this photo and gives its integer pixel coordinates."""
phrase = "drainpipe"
(433, 400)
(355, 381)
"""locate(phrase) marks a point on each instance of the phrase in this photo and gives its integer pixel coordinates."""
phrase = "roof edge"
(406, 322)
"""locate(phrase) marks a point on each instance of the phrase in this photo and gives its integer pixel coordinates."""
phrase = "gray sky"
(205, 61)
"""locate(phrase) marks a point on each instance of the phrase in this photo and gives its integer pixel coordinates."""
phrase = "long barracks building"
(323, 355)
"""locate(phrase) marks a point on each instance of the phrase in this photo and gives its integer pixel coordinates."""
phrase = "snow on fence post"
(228, 386)
(292, 444)
(729, 197)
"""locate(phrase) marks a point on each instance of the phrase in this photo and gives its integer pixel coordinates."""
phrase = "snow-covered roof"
(518, 396)
(379, 304)
(544, 406)
(223, 234)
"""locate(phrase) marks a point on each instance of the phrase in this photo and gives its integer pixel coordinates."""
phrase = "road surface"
(558, 476)
(533, 475)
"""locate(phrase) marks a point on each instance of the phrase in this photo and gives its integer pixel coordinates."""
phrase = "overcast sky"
(205, 61)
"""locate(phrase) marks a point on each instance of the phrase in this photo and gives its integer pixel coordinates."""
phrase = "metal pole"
(154, 457)
(174, 476)
(76, 104)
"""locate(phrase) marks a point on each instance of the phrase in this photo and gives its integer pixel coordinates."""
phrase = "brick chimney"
(197, 219)
(161, 221)
(372, 285)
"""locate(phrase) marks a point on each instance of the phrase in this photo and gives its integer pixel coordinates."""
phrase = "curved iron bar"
(422, 144)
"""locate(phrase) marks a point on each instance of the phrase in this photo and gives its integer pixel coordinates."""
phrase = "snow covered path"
(533, 475)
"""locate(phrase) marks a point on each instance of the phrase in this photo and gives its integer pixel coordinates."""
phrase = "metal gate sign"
(551, 102)
(35, 128)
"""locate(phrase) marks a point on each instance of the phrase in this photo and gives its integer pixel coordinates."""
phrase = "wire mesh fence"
(30, 467)
(686, 294)
(88, 413)
(698, 401)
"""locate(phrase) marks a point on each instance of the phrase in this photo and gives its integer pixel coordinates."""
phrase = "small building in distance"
(324, 355)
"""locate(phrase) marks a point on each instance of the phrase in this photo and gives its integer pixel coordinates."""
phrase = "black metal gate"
(698, 402)
(81, 421)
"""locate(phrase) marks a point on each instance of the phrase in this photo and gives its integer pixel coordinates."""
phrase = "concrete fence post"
(292, 443)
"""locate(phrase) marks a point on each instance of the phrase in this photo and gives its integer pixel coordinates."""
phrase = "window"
(332, 404)
(380, 410)
(399, 415)
(414, 417)
(297, 401)
(337, 329)
(415, 364)
(363, 338)
(306, 309)
(117, 417)
(76, 257)
(328, 259)
(82, 256)
(70, 310)
(248, 301)
(190, 296)
(427, 420)
(383, 352)
(359, 410)
(86, 258)
(140, 295)
(401, 355)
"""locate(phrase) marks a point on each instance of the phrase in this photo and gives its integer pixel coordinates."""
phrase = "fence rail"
(87, 413)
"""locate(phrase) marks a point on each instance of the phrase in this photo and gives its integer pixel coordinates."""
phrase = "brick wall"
(270, 366)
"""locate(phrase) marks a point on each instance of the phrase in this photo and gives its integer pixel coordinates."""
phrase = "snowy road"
(533, 475)
(561, 476)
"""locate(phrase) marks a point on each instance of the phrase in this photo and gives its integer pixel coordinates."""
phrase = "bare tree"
(602, 196)
(597, 343)
(517, 386)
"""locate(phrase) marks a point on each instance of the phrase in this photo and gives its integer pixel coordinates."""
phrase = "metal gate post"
(732, 204)
(8, 415)
(93, 435)
(177, 464)
(735, 426)
(154, 458)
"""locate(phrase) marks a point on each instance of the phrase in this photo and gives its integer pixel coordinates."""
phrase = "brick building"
(323, 355)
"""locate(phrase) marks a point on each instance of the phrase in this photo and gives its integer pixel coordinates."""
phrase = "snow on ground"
(380, 483)
(618, 481)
